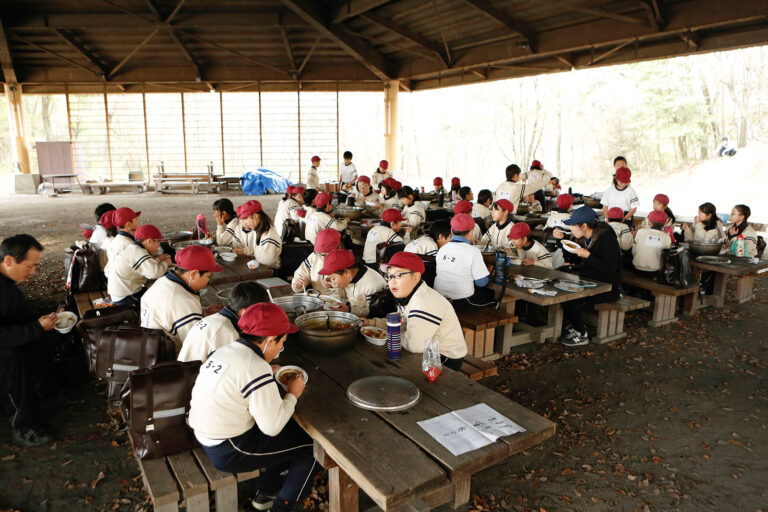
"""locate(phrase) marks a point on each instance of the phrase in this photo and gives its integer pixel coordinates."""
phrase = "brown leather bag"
(122, 349)
(82, 270)
(157, 404)
(94, 322)
(385, 251)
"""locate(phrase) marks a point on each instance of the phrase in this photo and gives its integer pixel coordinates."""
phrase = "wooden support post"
(261, 132)
(146, 134)
(298, 114)
(338, 149)
(69, 112)
(555, 320)
(718, 293)
(461, 490)
(184, 131)
(392, 124)
(342, 491)
(109, 138)
(221, 124)
(19, 149)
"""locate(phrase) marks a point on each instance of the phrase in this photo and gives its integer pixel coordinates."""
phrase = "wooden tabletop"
(546, 273)
(736, 267)
(630, 278)
(236, 271)
(391, 458)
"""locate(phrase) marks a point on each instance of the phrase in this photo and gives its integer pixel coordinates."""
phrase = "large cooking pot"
(177, 236)
(592, 202)
(314, 335)
(297, 305)
(205, 242)
(707, 247)
(350, 212)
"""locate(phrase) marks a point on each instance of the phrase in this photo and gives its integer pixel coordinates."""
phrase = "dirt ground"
(670, 418)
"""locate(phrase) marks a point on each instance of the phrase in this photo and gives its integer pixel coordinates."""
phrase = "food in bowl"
(373, 332)
(288, 373)
(65, 321)
(287, 376)
(228, 256)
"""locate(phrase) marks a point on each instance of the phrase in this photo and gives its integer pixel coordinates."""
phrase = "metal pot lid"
(383, 393)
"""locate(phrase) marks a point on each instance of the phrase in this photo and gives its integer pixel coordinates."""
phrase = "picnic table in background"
(236, 271)
(388, 455)
(740, 268)
(551, 331)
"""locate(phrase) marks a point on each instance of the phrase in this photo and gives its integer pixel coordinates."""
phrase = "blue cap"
(580, 216)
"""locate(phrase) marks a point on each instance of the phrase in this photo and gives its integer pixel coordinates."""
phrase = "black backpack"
(675, 269)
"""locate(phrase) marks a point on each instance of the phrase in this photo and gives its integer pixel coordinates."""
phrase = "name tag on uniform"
(653, 241)
(210, 373)
(413, 244)
(372, 234)
(503, 195)
(450, 259)
(202, 324)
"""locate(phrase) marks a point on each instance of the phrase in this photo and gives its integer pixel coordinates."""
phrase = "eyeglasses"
(398, 276)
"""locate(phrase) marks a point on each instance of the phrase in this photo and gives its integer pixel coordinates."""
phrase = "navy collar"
(138, 244)
(360, 273)
(509, 219)
(459, 239)
(251, 346)
(528, 247)
(125, 233)
(404, 302)
(176, 279)
(231, 315)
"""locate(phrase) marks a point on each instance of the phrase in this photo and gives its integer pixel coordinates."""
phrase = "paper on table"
(469, 429)
(455, 434)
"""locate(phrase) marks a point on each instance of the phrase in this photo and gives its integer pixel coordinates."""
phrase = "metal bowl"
(522, 209)
(205, 242)
(707, 247)
(592, 202)
(350, 212)
(314, 335)
(297, 305)
(177, 236)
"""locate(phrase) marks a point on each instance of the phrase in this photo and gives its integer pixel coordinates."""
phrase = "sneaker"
(575, 341)
(30, 437)
(262, 500)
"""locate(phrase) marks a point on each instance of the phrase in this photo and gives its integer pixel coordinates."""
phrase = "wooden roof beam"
(505, 19)
(6, 61)
(55, 54)
(353, 8)
(610, 52)
(187, 54)
(308, 55)
(82, 50)
(651, 15)
(132, 53)
(289, 51)
(430, 46)
(598, 12)
(367, 56)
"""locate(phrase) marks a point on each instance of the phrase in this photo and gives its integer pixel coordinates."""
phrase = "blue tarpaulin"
(256, 183)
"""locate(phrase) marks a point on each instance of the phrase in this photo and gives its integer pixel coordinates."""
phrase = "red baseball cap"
(322, 199)
(662, 198)
(265, 319)
(298, 190)
(289, 189)
(657, 217)
(397, 185)
(519, 230)
(384, 165)
(123, 216)
(407, 260)
(147, 232)
(107, 219)
(536, 165)
(438, 182)
(455, 182)
(315, 158)
(392, 215)
(564, 201)
(462, 206)
(248, 208)
(615, 213)
(623, 175)
(364, 179)
(462, 222)
(505, 204)
(337, 259)
(327, 240)
(390, 182)
(197, 257)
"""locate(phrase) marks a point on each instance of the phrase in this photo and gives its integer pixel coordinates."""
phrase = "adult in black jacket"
(22, 330)
(601, 261)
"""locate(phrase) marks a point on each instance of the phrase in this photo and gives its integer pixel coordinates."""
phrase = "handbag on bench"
(94, 322)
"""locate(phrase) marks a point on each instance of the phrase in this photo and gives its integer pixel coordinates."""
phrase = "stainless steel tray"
(383, 393)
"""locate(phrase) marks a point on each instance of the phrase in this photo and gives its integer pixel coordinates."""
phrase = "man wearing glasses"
(425, 312)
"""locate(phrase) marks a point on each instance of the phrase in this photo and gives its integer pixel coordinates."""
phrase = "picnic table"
(740, 268)
(388, 455)
(551, 331)
(236, 271)
(664, 298)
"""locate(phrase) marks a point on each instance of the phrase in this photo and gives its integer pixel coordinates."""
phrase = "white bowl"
(375, 341)
(290, 367)
(222, 248)
(65, 321)
(228, 256)
(253, 264)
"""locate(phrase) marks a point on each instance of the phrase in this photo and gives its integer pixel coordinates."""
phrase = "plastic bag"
(202, 225)
(430, 361)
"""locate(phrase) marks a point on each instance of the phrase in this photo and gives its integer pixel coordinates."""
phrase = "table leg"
(461, 490)
(691, 304)
(663, 310)
(342, 491)
(555, 320)
(744, 287)
(718, 292)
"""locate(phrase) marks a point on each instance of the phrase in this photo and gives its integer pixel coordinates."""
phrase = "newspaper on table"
(469, 429)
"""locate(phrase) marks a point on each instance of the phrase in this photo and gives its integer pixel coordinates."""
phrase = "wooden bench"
(165, 181)
(665, 298)
(475, 368)
(99, 188)
(84, 301)
(187, 479)
(610, 318)
(479, 327)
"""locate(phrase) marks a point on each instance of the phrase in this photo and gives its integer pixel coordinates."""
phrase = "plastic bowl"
(65, 321)
(287, 368)
(228, 256)
(367, 331)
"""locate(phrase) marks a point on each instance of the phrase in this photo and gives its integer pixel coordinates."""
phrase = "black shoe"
(262, 501)
(30, 437)
(576, 340)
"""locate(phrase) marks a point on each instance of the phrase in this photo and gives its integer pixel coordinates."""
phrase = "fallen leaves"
(98, 479)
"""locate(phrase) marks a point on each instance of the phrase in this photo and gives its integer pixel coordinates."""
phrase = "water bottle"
(741, 250)
(394, 349)
(501, 263)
